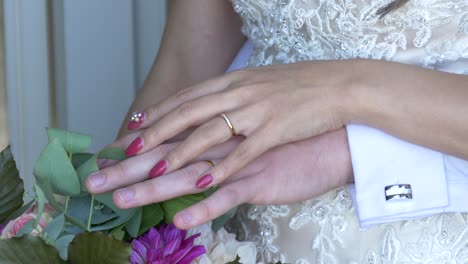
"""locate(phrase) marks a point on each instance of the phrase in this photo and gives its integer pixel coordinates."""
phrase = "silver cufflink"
(398, 192)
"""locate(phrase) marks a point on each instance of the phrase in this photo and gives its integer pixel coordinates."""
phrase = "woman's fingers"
(187, 115)
(126, 172)
(250, 149)
(227, 197)
(205, 137)
(150, 115)
(136, 169)
(172, 185)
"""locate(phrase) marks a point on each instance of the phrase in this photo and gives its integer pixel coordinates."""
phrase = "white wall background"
(75, 65)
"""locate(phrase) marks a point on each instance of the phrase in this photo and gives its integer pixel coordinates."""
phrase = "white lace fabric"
(428, 33)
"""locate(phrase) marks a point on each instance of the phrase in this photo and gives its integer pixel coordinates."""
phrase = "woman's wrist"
(361, 102)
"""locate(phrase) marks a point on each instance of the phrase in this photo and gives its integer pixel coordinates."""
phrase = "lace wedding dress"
(429, 33)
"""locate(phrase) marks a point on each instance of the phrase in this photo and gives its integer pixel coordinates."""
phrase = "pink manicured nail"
(158, 169)
(136, 146)
(136, 120)
(204, 181)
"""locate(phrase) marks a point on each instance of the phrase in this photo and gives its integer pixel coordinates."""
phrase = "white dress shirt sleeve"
(439, 182)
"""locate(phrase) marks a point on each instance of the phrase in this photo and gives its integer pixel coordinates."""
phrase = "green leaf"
(40, 200)
(172, 207)
(62, 244)
(124, 215)
(220, 221)
(79, 158)
(85, 169)
(133, 225)
(55, 168)
(72, 142)
(118, 232)
(11, 185)
(54, 228)
(28, 249)
(152, 215)
(80, 204)
(112, 153)
(26, 229)
(97, 247)
(47, 190)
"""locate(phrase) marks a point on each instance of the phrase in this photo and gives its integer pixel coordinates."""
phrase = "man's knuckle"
(229, 195)
(120, 169)
(205, 210)
(222, 169)
(244, 153)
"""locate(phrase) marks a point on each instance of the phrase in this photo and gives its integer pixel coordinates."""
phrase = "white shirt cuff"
(380, 160)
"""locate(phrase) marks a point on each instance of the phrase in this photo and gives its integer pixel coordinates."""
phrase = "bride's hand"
(285, 174)
(270, 106)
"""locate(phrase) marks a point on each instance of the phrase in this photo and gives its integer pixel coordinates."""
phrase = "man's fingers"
(227, 197)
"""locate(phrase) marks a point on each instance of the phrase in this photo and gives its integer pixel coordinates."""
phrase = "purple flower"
(166, 245)
(2, 226)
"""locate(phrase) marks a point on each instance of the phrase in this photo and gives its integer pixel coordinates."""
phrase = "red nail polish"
(158, 169)
(204, 181)
(136, 120)
(136, 146)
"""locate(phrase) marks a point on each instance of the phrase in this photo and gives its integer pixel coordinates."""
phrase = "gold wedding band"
(229, 124)
(210, 163)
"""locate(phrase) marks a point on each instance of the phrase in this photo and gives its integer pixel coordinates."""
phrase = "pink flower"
(166, 245)
(14, 226)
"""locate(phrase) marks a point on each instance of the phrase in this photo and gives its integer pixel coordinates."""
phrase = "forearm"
(200, 41)
(423, 106)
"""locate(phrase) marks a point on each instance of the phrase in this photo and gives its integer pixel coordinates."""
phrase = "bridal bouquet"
(63, 223)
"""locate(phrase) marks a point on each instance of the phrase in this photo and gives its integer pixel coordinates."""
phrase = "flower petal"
(193, 254)
(138, 255)
(154, 254)
(189, 241)
(155, 239)
(172, 246)
(175, 258)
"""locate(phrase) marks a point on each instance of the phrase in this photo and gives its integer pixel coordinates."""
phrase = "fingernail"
(125, 195)
(136, 120)
(158, 169)
(185, 217)
(204, 181)
(96, 179)
(136, 146)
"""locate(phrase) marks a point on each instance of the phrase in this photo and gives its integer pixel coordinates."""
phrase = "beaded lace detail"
(429, 33)
(285, 31)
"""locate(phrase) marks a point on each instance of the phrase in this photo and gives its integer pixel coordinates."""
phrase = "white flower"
(222, 247)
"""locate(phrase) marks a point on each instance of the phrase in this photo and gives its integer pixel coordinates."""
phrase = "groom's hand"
(289, 173)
